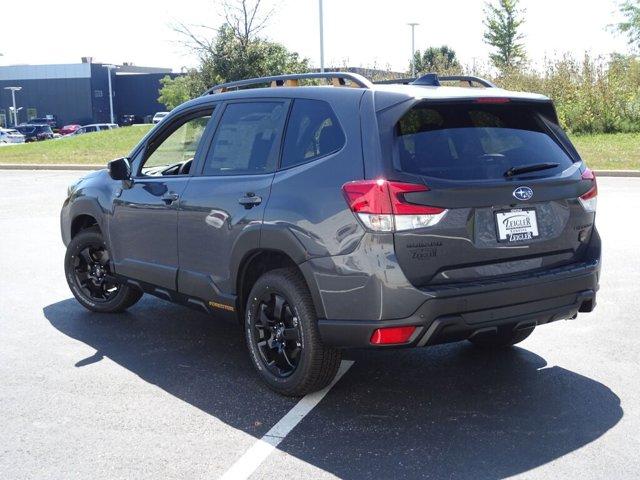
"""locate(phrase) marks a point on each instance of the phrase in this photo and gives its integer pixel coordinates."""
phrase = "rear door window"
(474, 141)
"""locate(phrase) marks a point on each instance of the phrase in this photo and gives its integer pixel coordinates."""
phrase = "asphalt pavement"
(163, 391)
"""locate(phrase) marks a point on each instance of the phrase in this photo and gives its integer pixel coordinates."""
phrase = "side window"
(172, 153)
(313, 131)
(246, 140)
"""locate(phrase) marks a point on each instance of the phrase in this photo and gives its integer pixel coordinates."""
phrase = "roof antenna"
(430, 80)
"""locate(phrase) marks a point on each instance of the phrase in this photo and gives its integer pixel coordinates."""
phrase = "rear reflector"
(589, 200)
(382, 207)
(392, 335)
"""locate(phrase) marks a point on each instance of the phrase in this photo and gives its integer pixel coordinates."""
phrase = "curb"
(44, 166)
(617, 173)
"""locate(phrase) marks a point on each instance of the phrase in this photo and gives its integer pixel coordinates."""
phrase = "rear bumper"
(459, 313)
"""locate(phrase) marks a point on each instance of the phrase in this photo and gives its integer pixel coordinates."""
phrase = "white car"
(9, 135)
(159, 116)
(95, 127)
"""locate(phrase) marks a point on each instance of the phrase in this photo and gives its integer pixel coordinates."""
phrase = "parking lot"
(167, 392)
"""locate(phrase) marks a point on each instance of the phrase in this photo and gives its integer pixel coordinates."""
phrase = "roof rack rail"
(291, 80)
(470, 79)
(432, 79)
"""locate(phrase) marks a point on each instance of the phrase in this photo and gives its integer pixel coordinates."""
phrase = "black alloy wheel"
(281, 330)
(87, 267)
(92, 273)
(277, 334)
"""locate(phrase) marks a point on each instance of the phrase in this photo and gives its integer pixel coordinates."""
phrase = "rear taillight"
(589, 200)
(392, 335)
(382, 207)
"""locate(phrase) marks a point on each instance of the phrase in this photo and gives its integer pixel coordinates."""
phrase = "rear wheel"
(282, 335)
(88, 274)
(502, 339)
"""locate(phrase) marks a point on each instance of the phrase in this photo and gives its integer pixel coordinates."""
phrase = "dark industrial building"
(79, 93)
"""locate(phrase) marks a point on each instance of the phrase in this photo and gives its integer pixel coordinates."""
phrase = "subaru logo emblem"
(523, 193)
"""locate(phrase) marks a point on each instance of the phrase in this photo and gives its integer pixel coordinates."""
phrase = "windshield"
(470, 141)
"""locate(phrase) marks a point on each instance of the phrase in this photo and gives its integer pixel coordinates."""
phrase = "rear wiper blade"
(530, 168)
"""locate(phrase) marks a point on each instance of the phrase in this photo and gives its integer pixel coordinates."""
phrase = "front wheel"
(88, 274)
(282, 335)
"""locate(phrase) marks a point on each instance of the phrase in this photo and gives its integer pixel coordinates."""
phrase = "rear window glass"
(474, 141)
(313, 131)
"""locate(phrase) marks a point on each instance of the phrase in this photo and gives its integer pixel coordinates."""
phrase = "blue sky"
(357, 32)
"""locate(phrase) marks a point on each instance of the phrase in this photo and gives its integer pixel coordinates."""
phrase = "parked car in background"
(159, 116)
(35, 133)
(126, 120)
(48, 120)
(69, 129)
(95, 127)
(10, 135)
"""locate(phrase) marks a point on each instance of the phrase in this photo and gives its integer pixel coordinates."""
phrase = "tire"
(97, 292)
(503, 339)
(294, 331)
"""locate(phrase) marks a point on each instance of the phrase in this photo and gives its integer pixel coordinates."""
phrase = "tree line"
(591, 94)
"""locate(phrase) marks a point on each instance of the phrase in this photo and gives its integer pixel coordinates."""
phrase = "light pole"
(413, 26)
(321, 37)
(109, 68)
(13, 97)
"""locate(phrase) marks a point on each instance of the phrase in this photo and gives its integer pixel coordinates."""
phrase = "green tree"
(630, 10)
(436, 59)
(177, 90)
(234, 58)
(502, 22)
(233, 52)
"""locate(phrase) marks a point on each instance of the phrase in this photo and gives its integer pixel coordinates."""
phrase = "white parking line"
(259, 451)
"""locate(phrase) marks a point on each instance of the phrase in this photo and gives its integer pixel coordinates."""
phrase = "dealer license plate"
(517, 225)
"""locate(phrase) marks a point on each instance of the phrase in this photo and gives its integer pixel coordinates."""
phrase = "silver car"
(159, 116)
(9, 135)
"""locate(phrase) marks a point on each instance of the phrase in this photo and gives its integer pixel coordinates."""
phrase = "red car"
(68, 129)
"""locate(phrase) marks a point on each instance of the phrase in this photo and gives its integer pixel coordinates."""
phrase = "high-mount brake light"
(493, 100)
(589, 200)
(382, 207)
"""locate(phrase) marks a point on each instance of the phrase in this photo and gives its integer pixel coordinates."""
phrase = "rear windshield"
(474, 141)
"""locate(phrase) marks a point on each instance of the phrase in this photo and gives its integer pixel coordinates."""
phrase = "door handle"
(250, 200)
(170, 197)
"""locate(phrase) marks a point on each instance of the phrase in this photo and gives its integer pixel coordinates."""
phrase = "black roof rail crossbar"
(280, 80)
(434, 80)
(395, 81)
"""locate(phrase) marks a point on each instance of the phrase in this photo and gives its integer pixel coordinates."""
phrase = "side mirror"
(119, 169)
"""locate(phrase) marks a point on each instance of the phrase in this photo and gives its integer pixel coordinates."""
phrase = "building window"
(32, 113)
(97, 93)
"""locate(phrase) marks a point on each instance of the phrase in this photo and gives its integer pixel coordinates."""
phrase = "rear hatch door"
(508, 180)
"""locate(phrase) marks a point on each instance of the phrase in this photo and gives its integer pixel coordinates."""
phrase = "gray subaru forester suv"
(351, 214)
